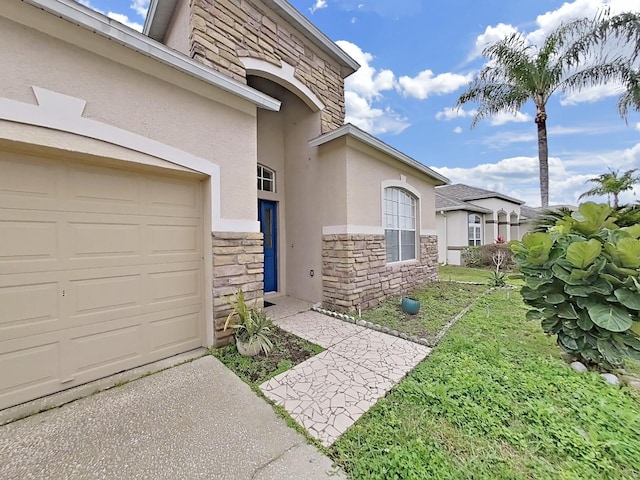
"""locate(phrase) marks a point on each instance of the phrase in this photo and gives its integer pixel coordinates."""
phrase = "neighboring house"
(469, 216)
(529, 214)
(147, 177)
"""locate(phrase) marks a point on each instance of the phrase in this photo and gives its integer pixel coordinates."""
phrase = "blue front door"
(268, 217)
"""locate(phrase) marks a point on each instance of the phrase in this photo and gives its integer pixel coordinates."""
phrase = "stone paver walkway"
(327, 393)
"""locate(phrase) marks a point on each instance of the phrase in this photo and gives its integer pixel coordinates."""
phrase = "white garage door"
(100, 271)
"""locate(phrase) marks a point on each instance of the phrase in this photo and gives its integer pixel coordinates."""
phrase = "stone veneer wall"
(355, 272)
(237, 263)
(222, 31)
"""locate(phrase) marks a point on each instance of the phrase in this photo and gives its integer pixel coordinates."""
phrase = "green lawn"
(439, 303)
(455, 273)
(494, 401)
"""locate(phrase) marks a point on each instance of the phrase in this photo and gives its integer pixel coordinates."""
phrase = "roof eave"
(373, 142)
(160, 13)
(100, 24)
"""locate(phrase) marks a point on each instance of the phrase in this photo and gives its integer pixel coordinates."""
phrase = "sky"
(417, 57)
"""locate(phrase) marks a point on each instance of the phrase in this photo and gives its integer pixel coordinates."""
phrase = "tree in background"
(610, 184)
(576, 55)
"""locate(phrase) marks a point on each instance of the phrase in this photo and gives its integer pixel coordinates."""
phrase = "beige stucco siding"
(441, 228)
(333, 179)
(497, 204)
(458, 235)
(303, 202)
(177, 36)
(283, 146)
(137, 102)
(367, 168)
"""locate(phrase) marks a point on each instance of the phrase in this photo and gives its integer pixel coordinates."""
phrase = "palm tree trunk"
(543, 156)
(615, 200)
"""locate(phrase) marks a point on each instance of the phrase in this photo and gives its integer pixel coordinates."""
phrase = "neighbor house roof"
(466, 193)
(446, 204)
(120, 34)
(529, 213)
(161, 11)
(352, 131)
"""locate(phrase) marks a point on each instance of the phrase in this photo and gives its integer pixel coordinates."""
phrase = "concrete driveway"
(196, 420)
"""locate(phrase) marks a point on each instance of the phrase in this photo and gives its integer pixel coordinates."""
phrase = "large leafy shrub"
(583, 283)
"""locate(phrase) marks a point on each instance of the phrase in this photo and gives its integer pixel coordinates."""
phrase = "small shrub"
(498, 279)
(582, 281)
(472, 257)
(482, 256)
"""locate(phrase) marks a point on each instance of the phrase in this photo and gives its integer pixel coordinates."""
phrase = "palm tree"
(611, 184)
(566, 61)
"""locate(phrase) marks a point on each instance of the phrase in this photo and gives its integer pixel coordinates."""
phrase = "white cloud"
(364, 92)
(518, 177)
(638, 126)
(592, 94)
(450, 113)
(137, 5)
(491, 35)
(119, 17)
(457, 130)
(506, 117)
(318, 5)
(504, 138)
(577, 9)
(140, 7)
(367, 81)
(363, 114)
(426, 84)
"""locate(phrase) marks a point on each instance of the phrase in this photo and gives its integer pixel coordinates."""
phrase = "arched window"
(399, 224)
(475, 230)
(266, 179)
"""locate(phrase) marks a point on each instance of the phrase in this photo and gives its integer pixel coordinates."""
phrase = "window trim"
(415, 202)
(477, 227)
(261, 179)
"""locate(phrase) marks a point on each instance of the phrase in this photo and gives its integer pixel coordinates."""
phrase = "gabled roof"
(160, 13)
(373, 142)
(466, 193)
(446, 204)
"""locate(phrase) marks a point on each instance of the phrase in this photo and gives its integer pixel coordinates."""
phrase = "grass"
(288, 351)
(439, 303)
(477, 275)
(495, 401)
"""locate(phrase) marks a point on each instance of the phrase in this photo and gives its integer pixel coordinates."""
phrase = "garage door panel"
(106, 239)
(101, 270)
(98, 185)
(173, 197)
(92, 298)
(26, 178)
(98, 352)
(174, 240)
(24, 240)
(173, 334)
(177, 285)
(30, 368)
(29, 309)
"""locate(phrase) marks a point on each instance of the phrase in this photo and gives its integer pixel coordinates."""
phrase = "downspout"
(446, 238)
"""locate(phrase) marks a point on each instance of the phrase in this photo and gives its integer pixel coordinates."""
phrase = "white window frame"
(475, 227)
(262, 179)
(400, 214)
